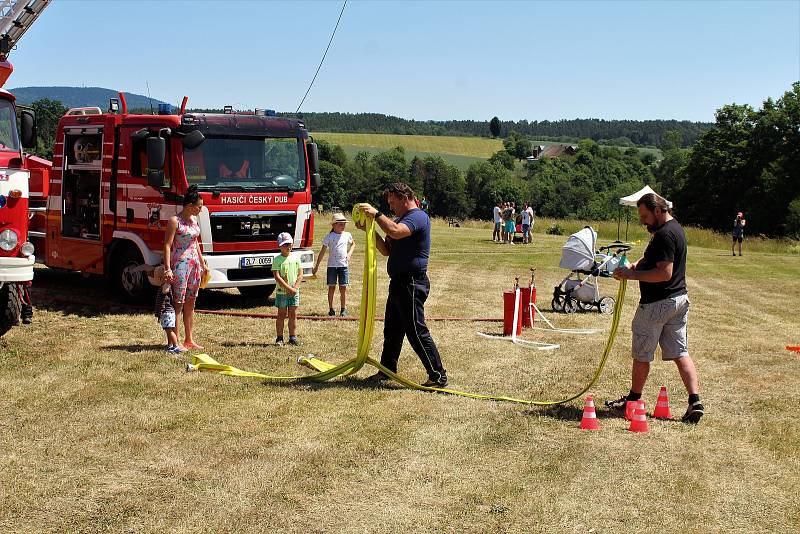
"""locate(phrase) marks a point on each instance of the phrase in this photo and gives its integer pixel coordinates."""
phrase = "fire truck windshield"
(247, 164)
(9, 140)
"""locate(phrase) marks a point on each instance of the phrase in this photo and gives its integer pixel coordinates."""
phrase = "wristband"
(378, 214)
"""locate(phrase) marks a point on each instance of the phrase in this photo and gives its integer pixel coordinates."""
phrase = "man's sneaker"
(435, 383)
(618, 404)
(377, 377)
(693, 413)
(293, 340)
(331, 312)
(279, 341)
(343, 313)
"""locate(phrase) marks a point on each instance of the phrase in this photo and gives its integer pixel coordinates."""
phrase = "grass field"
(476, 147)
(459, 161)
(100, 430)
(458, 151)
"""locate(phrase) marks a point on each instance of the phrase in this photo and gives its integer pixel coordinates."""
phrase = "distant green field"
(475, 147)
(461, 162)
(458, 151)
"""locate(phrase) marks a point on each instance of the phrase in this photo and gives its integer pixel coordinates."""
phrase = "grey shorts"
(661, 323)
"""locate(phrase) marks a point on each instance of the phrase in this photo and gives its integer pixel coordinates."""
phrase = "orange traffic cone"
(639, 420)
(630, 406)
(662, 405)
(589, 420)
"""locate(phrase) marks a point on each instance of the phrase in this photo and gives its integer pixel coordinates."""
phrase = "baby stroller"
(587, 266)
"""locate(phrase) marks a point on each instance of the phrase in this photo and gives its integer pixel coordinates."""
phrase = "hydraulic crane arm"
(16, 16)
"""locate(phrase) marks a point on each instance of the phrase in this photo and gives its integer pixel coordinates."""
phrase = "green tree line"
(586, 185)
(749, 161)
(624, 133)
(610, 132)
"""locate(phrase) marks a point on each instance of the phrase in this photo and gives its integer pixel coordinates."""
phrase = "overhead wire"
(323, 58)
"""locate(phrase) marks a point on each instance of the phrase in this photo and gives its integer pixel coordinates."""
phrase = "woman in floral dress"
(184, 264)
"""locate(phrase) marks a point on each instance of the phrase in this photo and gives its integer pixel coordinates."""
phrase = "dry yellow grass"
(481, 147)
(100, 430)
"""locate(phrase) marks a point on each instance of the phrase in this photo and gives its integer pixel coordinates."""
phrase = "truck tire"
(12, 306)
(256, 292)
(131, 286)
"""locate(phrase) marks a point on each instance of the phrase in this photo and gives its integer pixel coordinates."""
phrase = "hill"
(76, 97)
(477, 147)
(647, 133)
(460, 151)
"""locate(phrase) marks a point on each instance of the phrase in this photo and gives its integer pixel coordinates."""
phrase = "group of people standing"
(406, 243)
(505, 222)
(661, 317)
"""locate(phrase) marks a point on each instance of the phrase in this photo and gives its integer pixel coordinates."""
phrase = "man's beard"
(651, 228)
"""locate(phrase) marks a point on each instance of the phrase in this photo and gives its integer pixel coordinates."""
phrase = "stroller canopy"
(578, 252)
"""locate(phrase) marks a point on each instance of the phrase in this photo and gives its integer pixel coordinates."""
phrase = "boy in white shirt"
(341, 246)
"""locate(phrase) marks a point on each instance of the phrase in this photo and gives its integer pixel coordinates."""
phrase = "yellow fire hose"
(327, 371)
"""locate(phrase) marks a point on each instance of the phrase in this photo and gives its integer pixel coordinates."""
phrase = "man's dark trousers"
(405, 316)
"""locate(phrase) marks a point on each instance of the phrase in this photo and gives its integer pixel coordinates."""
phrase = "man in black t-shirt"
(664, 305)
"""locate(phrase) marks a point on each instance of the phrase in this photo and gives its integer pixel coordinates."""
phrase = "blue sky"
(426, 60)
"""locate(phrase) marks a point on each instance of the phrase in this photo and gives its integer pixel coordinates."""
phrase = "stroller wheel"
(557, 304)
(607, 305)
(570, 305)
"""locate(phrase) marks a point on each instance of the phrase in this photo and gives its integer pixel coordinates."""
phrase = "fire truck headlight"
(26, 249)
(8, 239)
(2, 201)
(307, 258)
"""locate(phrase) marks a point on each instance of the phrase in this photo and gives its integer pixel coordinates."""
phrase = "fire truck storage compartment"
(81, 184)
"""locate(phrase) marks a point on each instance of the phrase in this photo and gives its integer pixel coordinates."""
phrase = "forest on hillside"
(623, 133)
(606, 132)
(748, 160)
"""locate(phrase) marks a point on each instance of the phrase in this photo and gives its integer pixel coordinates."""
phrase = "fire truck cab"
(117, 178)
(16, 253)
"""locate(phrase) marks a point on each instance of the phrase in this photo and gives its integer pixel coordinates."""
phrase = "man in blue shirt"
(407, 244)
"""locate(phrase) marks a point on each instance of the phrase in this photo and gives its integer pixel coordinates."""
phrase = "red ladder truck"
(117, 178)
(16, 253)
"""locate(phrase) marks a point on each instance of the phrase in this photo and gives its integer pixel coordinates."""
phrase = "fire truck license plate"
(256, 261)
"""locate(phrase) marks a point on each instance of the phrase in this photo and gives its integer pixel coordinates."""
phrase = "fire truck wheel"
(12, 306)
(256, 292)
(130, 284)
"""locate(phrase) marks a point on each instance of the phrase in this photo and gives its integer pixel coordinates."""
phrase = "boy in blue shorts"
(341, 245)
(288, 276)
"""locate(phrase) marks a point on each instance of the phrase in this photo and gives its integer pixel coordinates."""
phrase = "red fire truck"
(117, 178)
(16, 253)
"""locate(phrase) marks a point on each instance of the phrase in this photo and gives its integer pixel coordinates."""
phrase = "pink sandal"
(192, 345)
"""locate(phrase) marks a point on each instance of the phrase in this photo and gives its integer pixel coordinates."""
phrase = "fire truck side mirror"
(316, 180)
(156, 153)
(28, 133)
(193, 139)
(313, 158)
